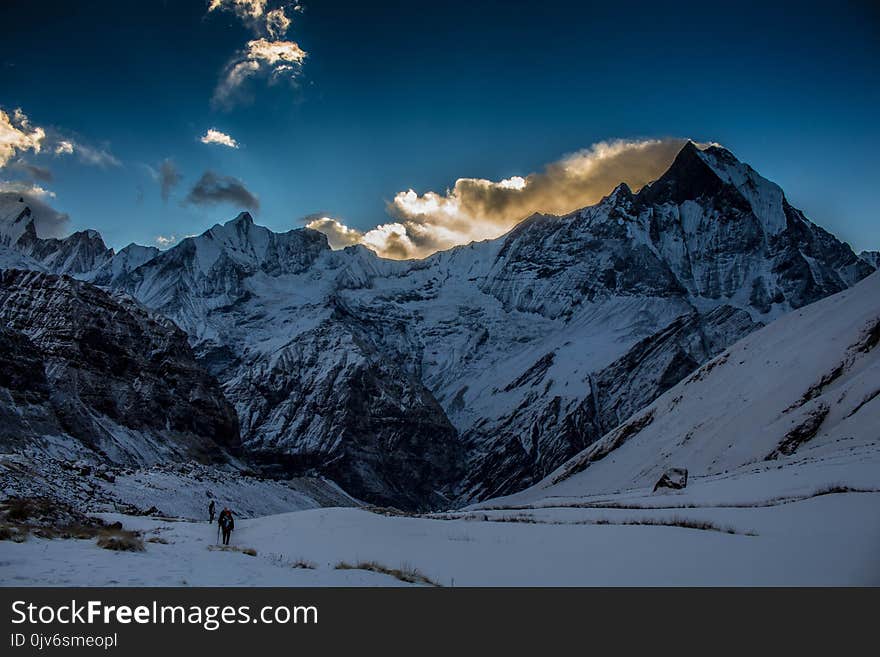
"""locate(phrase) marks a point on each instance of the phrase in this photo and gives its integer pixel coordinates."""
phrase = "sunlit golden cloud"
(478, 209)
(244, 9)
(277, 23)
(338, 234)
(275, 52)
(17, 134)
(275, 59)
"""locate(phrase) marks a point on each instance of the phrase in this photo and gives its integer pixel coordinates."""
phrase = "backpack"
(225, 520)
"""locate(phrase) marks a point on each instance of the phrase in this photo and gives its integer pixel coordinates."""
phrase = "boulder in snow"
(675, 478)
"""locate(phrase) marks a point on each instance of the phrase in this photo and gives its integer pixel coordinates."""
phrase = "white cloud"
(164, 241)
(20, 187)
(213, 136)
(17, 134)
(64, 147)
(338, 234)
(99, 157)
(478, 209)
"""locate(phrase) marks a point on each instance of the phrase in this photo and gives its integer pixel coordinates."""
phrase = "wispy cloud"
(478, 209)
(270, 55)
(87, 154)
(17, 135)
(214, 136)
(213, 188)
(272, 60)
(164, 241)
(98, 157)
(32, 171)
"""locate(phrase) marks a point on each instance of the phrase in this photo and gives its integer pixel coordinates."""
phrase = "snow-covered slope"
(477, 371)
(176, 489)
(120, 264)
(804, 389)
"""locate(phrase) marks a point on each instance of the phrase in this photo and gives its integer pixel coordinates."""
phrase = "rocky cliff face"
(84, 372)
(330, 401)
(531, 442)
(478, 370)
(871, 257)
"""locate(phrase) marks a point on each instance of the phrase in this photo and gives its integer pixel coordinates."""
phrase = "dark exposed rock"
(601, 449)
(801, 433)
(102, 370)
(338, 407)
(674, 478)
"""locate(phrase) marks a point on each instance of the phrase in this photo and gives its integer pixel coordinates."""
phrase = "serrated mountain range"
(474, 372)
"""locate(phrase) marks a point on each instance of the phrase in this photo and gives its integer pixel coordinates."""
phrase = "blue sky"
(393, 96)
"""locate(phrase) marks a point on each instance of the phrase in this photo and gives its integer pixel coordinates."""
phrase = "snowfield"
(780, 434)
(830, 539)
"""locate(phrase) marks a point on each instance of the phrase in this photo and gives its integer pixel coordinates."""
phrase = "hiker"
(211, 512)
(226, 523)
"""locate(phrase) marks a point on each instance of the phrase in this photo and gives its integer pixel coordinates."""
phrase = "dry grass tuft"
(834, 489)
(251, 552)
(304, 563)
(44, 518)
(405, 573)
(12, 533)
(121, 540)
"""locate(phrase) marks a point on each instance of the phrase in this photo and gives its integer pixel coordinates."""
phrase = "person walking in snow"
(211, 512)
(226, 523)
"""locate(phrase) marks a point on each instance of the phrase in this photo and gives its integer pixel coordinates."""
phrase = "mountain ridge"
(516, 352)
